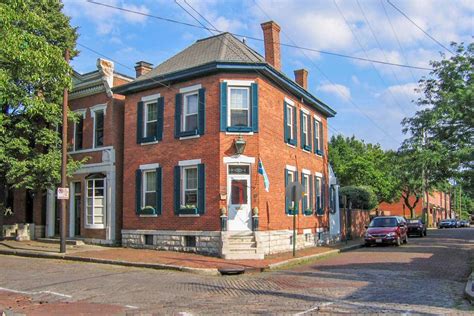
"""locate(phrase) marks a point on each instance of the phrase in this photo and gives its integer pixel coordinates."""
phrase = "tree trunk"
(3, 203)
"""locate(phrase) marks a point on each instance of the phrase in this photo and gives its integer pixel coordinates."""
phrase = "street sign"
(63, 193)
(294, 192)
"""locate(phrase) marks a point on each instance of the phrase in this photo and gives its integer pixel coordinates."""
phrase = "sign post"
(294, 193)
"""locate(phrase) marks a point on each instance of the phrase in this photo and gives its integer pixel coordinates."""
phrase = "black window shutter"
(223, 102)
(201, 188)
(159, 183)
(296, 180)
(310, 135)
(177, 189)
(139, 122)
(202, 111)
(285, 125)
(295, 127)
(303, 141)
(323, 194)
(316, 132)
(138, 190)
(287, 202)
(159, 122)
(311, 193)
(321, 137)
(254, 98)
(303, 201)
(177, 114)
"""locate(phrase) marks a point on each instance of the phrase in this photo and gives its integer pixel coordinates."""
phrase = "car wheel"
(367, 244)
(422, 233)
(405, 241)
(399, 242)
(425, 233)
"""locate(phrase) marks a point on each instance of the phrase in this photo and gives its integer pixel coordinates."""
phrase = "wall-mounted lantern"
(239, 145)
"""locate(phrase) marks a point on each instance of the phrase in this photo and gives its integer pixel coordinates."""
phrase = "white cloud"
(339, 90)
(133, 17)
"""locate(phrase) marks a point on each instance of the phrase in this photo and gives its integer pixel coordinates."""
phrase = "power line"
(418, 27)
(330, 81)
(260, 39)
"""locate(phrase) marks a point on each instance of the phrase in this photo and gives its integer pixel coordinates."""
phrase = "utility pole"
(62, 215)
(460, 201)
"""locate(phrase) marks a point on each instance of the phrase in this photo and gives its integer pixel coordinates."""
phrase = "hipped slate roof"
(223, 52)
(223, 47)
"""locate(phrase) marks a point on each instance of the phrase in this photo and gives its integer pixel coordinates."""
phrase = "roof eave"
(270, 72)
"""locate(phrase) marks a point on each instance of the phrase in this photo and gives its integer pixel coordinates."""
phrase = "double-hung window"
(79, 130)
(319, 195)
(150, 119)
(239, 106)
(318, 137)
(306, 182)
(148, 186)
(98, 114)
(291, 175)
(290, 125)
(96, 202)
(189, 188)
(190, 109)
(305, 131)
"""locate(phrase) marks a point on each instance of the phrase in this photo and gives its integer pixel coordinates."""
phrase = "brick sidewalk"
(156, 257)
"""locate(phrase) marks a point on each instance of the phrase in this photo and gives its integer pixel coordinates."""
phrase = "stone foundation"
(276, 241)
(208, 243)
(20, 232)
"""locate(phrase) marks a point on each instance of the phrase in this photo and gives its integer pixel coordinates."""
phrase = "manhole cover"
(231, 271)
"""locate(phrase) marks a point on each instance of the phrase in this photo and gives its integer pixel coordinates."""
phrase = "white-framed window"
(190, 112)
(79, 130)
(239, 107)
(150, 118)
(305, 183)
(189, 187)
(291, 178)
(289, 121)
(305, 129)
(98, 115)
(95, 202)
(149, 189)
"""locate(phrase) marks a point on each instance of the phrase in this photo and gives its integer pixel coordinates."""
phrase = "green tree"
(33, 73)
(444, 125)
(356, 163)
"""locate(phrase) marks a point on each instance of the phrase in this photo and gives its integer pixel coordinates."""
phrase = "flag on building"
(262, 171)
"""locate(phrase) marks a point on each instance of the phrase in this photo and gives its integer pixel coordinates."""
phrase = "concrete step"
(241, 239)
(71, 242)
(249, 243)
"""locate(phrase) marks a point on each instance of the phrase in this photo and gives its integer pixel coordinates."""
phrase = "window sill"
(147, 215)
(88, 150)
(307, 151)
(95, 226)
(149, 143)
(290, 145)
(189, 137)
(238, 133)
(189, 215)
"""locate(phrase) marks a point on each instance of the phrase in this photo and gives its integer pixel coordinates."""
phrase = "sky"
(371, 99)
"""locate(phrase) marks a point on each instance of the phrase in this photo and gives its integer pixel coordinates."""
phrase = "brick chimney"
(142, 67)
(301, 78)
(271, 39)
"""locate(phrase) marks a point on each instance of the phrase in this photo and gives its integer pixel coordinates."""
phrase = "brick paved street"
(426, 276)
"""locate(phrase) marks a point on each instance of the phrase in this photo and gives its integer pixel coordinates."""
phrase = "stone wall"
(206, 242)
(276, 241)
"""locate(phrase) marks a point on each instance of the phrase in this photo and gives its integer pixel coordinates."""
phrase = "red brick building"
(188, 182)
(439, 207)
(95, 206)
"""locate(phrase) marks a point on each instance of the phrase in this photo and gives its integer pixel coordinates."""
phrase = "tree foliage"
(444, 125)
(33, 74)
(356, 163)
(361, 197)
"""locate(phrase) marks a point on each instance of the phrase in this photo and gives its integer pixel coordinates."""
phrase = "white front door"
(238, 198)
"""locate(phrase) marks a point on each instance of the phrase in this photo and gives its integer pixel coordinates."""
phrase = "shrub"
(362, 197)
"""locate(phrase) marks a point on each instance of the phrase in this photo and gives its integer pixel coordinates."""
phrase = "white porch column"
(50, 213)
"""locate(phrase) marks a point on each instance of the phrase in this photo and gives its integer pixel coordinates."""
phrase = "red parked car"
(387, 230)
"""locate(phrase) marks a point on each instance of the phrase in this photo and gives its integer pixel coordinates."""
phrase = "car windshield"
(383, 222)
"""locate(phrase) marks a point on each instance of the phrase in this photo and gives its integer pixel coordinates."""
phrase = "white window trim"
(94, 110)
(239, 133)
(190, 88)
(289, 101)
(306, 133)
(293, 178)
(289, 119)
(149, 166)
(305, 111)
(306, 171)
(183, 112)
(241, 83)
(183, 183)
(318, 174)
(149, 143)
(82, 112)
(290, 168)
(189, 137)
(145, 114)
(317, 130)
(229, 108)
(150, 97)
(317, 118)
(186, 163)
(290, 145)
(241, 159)
(306, 197)
(95, 226)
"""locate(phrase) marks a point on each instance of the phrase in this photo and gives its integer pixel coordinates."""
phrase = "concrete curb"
(469, 290)
(158, 266)
(278, 265)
